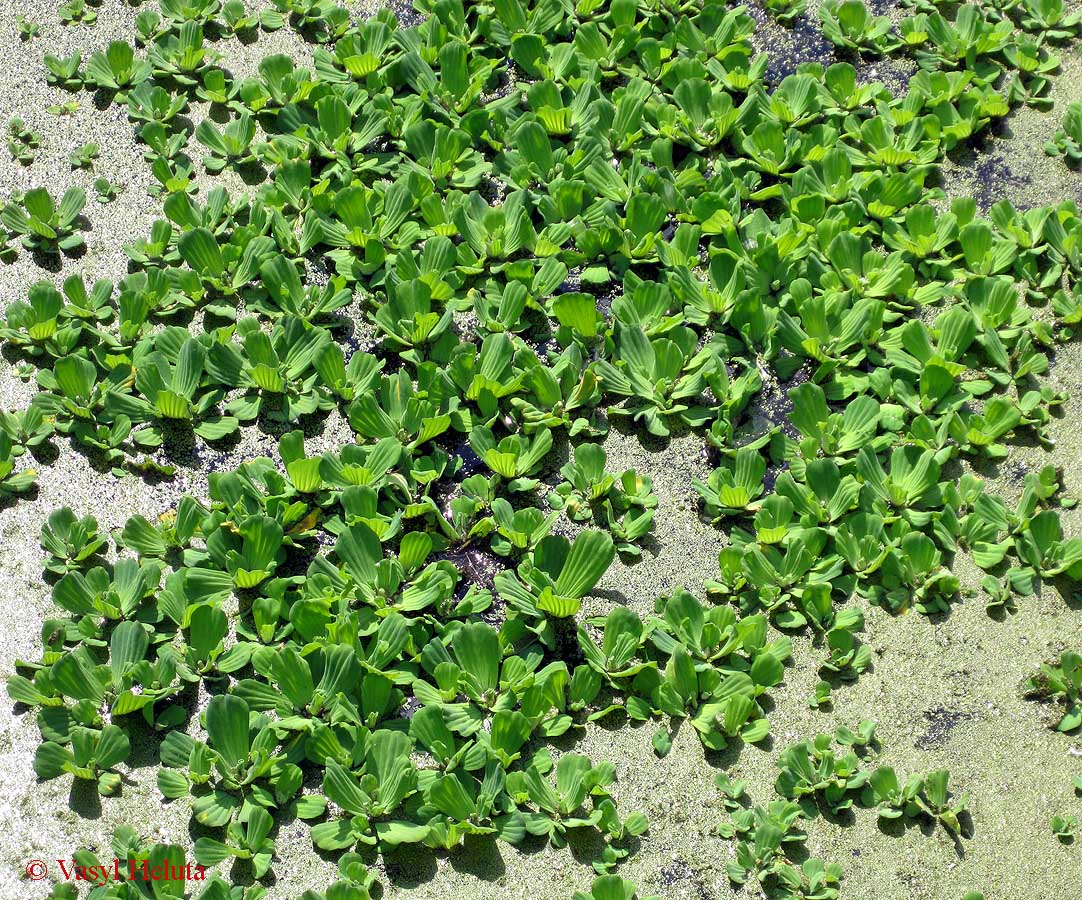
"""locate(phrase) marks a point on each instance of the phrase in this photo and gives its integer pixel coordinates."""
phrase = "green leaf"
(210, 852)
(578, 312)
(767, 670)
(589, 558)
(112, 747)
(392, 834)
(227, 728)
(142, 537)
(127, 646)
(51, 761)
(477, 649)
(662, 742)
(199, 249)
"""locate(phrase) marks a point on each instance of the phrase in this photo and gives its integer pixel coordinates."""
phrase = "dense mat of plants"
(553, 219)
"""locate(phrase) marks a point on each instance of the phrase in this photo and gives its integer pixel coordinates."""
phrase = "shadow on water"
(479, 857)
(84, 799)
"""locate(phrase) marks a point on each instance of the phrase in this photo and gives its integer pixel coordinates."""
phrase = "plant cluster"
(927, 796)
(63, 109)
(786, 11)
(27, 29)
(1068, 139)
(625, 504)
(106, 191)
(22, 142)
(987, 43)
(1065, 828)
(549, 219)
(828, 773)
(611, 887)
(825, 773)
(705, 664)
(1060, 683)
(78, 12)
(330, 659)
(768, 838)
(83, 157)
(43, 224)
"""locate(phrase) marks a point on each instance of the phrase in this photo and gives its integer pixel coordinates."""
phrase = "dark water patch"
(406, 14)
(986, 167)
(408, 708)
(806, 44)
(788, 45)
(894, 73)
(567, 644)
(606, 298)
(772, 405)
(941, 722)
(770, 477)
(680, 871)
(478, 565)
(880, 7)
(471, 462)
(1016, 471)
(995, 179)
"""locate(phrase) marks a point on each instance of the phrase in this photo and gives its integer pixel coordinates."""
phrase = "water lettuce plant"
(43, 224)
(1068, 139)
(1061, 683)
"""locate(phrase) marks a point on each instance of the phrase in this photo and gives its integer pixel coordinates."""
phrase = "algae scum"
(543, 449)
